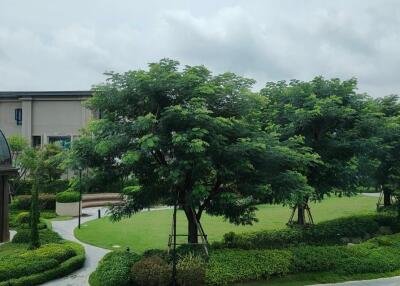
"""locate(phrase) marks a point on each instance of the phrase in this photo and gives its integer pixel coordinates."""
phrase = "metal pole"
(80, 198)
(174, 246)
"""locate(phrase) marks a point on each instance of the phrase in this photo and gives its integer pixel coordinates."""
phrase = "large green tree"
(187, 136)
(324, 112)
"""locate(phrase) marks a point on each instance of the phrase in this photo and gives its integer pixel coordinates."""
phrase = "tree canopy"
(187, 135)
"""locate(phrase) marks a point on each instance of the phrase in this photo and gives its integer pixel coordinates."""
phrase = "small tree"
(18, 146)
(324, 113)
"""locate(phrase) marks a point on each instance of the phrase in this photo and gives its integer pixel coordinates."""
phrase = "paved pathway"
(394, 281)
(93, 254)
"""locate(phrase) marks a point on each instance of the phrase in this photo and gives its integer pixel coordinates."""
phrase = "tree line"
(212, 144)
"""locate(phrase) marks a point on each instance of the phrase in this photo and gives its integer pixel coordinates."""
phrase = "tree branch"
(215, 190)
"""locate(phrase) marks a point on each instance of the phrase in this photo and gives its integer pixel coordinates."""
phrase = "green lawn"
(147, 230)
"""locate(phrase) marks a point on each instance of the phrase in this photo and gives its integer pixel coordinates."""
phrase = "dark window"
(36, 141)
(64, 141)
(18, 116)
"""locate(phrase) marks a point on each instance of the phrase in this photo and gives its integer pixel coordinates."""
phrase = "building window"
(36, 141)
(18, 116)
(64, 141)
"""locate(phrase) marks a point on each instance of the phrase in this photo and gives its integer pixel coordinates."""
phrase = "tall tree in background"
(323, 112)
(195, 138)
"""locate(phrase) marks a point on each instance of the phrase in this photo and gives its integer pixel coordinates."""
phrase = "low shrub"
(377, 255)
(46, 202)
(68, 197)
(334, 232)
(230, 266)
(114, 269)
(45, 235)
(19, 264)
(23, 218)
(39, 277)
(191, 271)
(151, 271)
(158, 252)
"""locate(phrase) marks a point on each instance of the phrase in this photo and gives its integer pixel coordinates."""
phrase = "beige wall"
(7, 117)
(45, 117)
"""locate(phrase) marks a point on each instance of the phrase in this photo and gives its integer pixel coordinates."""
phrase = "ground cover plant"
(55, 258)
(148, 230)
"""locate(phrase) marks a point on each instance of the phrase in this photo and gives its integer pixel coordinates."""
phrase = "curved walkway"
(93, 254)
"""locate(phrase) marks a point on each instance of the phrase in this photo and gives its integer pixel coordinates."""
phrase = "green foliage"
(24, 187)
(336, 231)
(41, 265)
(190, 132)
(46, 236)
(46, 202)
(23, 218)
(227, 267)
(114, 269)
(377, 255)
(68, 197)
(22, 264)
(191, 271)
(151, 271)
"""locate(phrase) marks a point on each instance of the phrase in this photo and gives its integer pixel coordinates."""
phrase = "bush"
(151, 271)
(45, 235)
(68, 197)
(114, 269)
(19, 264)
(23, 218)
(230, 266)
(24, 187)
(338, 231)
(191, 271)
(38, 277)
(46, 202)
(377, 255)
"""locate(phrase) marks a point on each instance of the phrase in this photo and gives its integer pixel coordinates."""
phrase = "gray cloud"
(47, 44)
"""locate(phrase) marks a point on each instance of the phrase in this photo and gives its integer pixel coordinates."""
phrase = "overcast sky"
(68, 44)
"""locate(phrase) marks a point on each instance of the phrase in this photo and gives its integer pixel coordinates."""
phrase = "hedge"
(24, 187)
(68, 197)
(334, 232)
(377, 255)
(230, 266)
(45, 235)
(114, 269)
(46, 263)
(46, 202)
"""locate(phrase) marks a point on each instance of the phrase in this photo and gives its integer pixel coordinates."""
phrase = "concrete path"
(93, 254)
(394, 281)
(375, 195)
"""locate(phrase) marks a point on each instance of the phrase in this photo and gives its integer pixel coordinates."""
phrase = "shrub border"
(66, 267)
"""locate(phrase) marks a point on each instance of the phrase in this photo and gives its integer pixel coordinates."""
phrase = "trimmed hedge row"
(45, 235)
(114, 269)
(38, 266)
(338, 231)
(68, 197)
(46, 202)
(377, 255)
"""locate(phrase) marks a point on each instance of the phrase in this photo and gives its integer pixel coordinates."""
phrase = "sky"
(69, 44)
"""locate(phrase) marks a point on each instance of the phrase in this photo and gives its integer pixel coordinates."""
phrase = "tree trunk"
(192, 226)
(386, 197)
(34, 239)
(301, 219)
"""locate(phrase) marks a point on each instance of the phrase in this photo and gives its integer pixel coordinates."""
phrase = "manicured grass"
(147, 230)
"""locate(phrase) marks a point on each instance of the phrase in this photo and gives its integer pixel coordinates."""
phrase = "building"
(44, 117)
